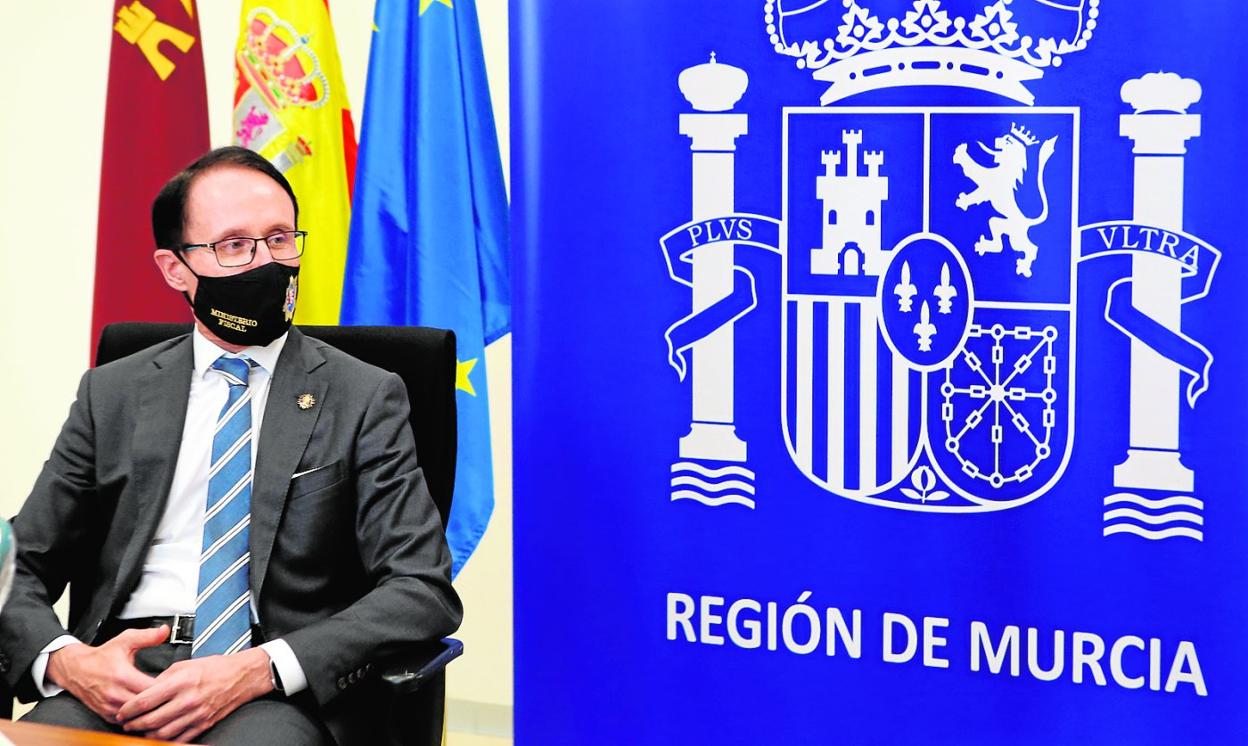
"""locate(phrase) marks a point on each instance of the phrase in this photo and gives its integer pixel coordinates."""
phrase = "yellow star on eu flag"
(424, 4)
(462, 370)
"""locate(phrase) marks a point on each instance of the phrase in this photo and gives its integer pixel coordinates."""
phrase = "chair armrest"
(407, 671)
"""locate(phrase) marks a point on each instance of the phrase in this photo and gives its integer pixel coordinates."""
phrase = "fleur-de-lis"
(944, 291)
(924, 329)
(905, 290)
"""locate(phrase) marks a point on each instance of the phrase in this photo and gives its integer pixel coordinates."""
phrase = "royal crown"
(713, 86)
(930, 44)
(279, 63)
(1161, 93)
(1022, 135)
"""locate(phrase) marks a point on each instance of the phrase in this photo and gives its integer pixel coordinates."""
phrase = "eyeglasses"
(239, 251)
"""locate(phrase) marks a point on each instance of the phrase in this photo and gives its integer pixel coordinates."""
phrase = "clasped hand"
(185, 700)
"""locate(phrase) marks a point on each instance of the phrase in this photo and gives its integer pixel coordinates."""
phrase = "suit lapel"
(163, 391)
(283, 437)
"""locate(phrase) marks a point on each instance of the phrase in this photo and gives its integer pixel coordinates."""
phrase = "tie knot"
(237, 370)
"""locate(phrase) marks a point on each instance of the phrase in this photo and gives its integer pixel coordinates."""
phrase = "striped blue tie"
(223, 606)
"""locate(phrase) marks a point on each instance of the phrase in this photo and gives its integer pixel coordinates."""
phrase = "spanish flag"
(155, 124)
(290, 105)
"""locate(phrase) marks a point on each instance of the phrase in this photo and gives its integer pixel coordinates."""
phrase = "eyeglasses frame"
(300, 236)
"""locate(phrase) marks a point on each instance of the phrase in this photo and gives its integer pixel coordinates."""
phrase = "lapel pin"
(306, 401)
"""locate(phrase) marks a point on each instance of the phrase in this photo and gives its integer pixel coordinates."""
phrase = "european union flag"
(429, 239)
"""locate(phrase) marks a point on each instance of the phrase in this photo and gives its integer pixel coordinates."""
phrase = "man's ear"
(174, 271)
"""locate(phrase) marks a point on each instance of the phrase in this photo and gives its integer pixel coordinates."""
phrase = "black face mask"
(252, 308)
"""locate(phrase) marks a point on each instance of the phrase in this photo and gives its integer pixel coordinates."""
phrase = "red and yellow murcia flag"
(290, 105)
(156, 122)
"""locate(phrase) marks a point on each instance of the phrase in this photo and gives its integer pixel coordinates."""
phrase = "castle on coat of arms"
(852, 199)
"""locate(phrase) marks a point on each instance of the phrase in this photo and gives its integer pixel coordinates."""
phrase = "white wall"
(54, 61)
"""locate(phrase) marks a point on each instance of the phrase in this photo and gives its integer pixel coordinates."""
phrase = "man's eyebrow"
(230, 233)
(240, 232)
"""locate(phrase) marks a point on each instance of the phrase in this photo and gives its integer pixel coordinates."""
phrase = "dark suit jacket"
(348, 562)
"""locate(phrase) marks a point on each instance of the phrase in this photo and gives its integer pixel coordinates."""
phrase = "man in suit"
(238, 512)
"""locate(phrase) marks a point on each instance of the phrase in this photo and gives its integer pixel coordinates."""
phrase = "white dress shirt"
(169, 582)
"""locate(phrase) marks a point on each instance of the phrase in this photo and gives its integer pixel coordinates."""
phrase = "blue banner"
(429, 242)
(921, 422)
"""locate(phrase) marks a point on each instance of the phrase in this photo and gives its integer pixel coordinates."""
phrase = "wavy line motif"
(736, 471)
(1155, 520)
(1169, 502)
(727, 484)
(1127, 528)
(713, 501)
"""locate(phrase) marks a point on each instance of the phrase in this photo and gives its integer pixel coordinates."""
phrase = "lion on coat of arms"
(998, 186)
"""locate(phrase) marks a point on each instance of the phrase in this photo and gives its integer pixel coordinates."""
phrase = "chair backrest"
(423, 357)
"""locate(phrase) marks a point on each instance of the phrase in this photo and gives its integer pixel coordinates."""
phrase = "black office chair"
(424, 358)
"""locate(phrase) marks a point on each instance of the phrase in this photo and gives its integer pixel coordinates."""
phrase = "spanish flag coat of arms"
(290, 105)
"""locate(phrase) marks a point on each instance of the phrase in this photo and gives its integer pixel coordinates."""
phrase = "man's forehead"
(227, 179)
(232, 186)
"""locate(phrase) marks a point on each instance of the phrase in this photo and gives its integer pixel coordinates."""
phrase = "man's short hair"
(169, 207)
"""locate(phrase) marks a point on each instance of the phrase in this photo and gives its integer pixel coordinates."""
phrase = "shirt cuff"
(293, 678)
(40, 667)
